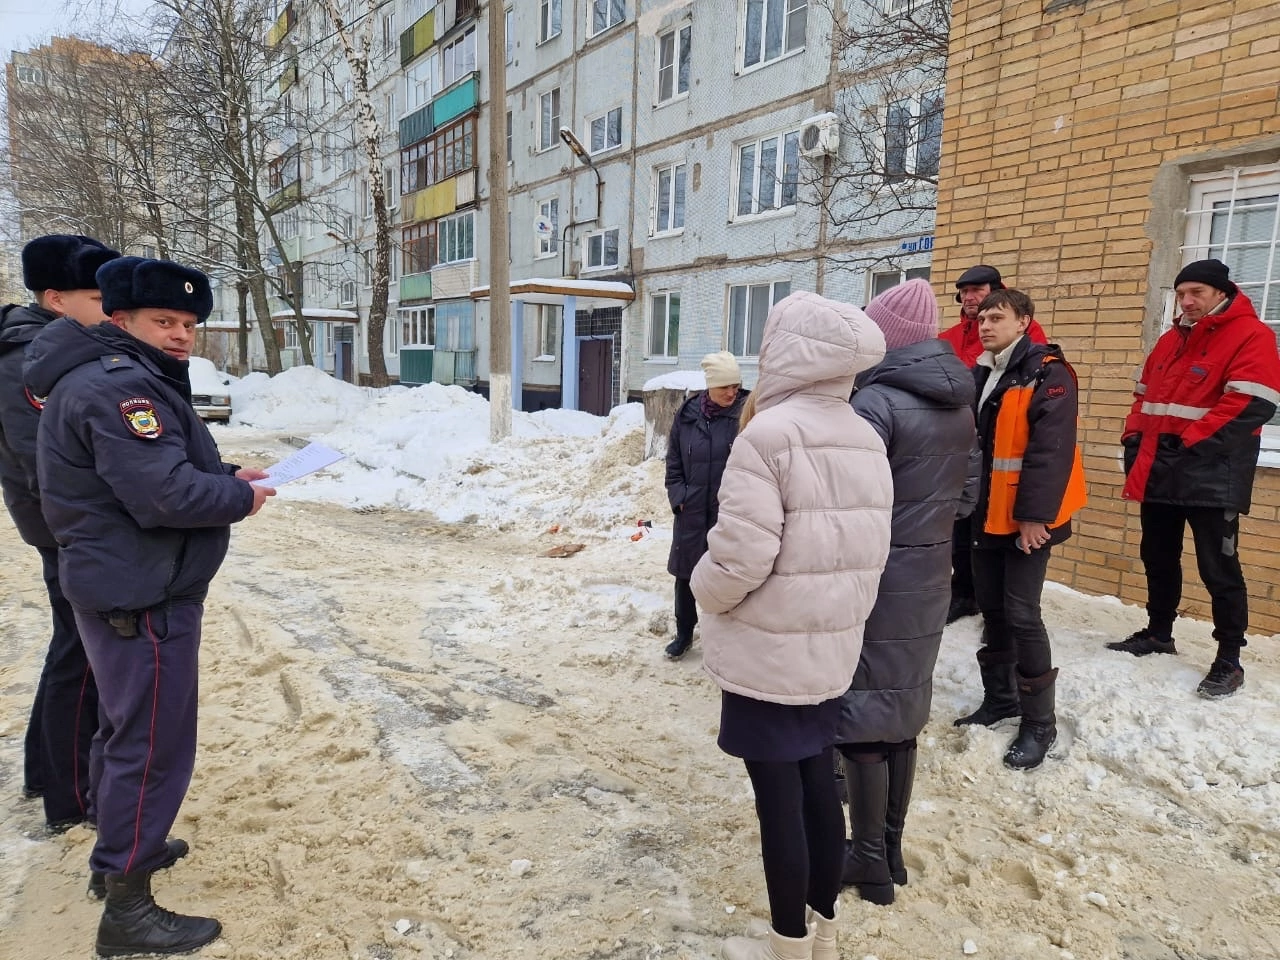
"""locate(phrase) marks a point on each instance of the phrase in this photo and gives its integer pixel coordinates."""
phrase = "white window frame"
(600, 238)
(893, 8)
(365, 190)
(548, 246)
(603, 125)
(347, 292)
(793, 11)
(914, 105)
(779, 203)
(458, 58)
(670, 351)
(550, 321)
(677, 187)
(681, 39)
(509, 23)
(774, 294)
(454, 234)
(1232, 186)
(30, 74)
(419, 83)
(418, 322)
(610, 9)
(550, 18)
(875, 285)
(390, 37)
(548, 122)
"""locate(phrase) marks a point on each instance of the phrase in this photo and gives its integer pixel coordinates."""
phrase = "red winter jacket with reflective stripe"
(1192, 436)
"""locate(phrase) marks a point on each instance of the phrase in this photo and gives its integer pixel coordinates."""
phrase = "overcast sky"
(26, 22)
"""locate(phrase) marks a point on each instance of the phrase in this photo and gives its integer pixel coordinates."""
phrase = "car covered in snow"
(210, 390)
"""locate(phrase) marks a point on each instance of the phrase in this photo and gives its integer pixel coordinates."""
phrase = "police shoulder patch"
(1056, 391)
(37, 402)
(140, 417)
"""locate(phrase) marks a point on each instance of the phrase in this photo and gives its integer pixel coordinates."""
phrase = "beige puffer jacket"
(794, 562)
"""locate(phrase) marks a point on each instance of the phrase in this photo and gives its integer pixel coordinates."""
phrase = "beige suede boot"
(774, 947)
(824, 931)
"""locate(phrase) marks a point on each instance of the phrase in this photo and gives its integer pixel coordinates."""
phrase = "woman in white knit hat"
(701, 436)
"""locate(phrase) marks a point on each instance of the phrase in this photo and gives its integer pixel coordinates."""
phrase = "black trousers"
(1216, 534)
(64, 716)
(1007, 584)
(686, 611)
(801, 837)
(961, 559)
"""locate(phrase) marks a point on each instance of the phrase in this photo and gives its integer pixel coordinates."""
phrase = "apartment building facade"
(1089, 165)
(710, 128)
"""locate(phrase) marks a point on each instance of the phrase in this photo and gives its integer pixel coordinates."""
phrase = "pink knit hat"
(905, 314)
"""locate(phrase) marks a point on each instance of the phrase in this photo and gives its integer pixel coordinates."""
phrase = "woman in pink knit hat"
(918, 399)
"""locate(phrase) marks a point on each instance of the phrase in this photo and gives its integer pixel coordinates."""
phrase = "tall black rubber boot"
(1039, 728)
(902, 774)
(132, 923)
(865, 866)
(999, 690)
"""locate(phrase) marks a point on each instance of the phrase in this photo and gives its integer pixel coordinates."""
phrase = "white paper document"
(312, 457)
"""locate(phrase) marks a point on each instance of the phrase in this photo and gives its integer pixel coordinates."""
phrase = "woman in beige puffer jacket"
(788, 580)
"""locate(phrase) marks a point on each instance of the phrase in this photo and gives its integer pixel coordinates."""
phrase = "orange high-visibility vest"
(1012, 431)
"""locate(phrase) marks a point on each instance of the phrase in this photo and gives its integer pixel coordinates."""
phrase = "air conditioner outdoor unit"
(820, 136)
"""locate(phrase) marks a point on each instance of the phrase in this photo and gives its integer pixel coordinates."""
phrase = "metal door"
(595, 375)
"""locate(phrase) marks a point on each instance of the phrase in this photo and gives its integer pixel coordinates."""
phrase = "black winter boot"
(999, 692)
(902, 774)
(865, 866)
(132, 923)
(175, 850)
(1039, 728)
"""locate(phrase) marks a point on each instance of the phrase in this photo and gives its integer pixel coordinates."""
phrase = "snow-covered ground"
(420, 738)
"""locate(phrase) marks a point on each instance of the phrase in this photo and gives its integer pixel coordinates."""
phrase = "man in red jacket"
(971, 289)
(1191, 446)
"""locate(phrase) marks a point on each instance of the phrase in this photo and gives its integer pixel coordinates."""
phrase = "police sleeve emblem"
(37, 402)
(140, 417)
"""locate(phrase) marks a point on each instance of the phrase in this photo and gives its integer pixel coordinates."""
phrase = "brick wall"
(1071, 129)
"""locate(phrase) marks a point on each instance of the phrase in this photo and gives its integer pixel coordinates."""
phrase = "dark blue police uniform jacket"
(19, 419)
(132, 484)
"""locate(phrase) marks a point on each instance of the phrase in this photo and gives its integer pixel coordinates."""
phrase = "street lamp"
(581, 152)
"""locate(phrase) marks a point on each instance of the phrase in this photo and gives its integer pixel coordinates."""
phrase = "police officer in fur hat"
(59, 271)
(141, 503)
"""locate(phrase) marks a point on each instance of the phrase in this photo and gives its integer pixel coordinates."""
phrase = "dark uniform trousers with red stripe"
(148, 689)
(64, 715)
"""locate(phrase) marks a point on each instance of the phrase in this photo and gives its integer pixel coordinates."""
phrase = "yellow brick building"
(1090, 149)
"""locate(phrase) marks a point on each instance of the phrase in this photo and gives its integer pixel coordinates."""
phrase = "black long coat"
(19, 420)
(697, 450)
(919, 399)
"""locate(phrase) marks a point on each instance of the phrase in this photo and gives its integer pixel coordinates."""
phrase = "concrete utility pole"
(499, 252)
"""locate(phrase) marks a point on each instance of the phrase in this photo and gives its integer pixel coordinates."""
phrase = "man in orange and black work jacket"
(971, 289)
(1032, 483)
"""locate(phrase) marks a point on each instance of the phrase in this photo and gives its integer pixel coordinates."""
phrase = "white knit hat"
(721, 369)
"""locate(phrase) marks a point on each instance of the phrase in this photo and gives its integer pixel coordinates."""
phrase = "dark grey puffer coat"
(919, 399)
(697, 450)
